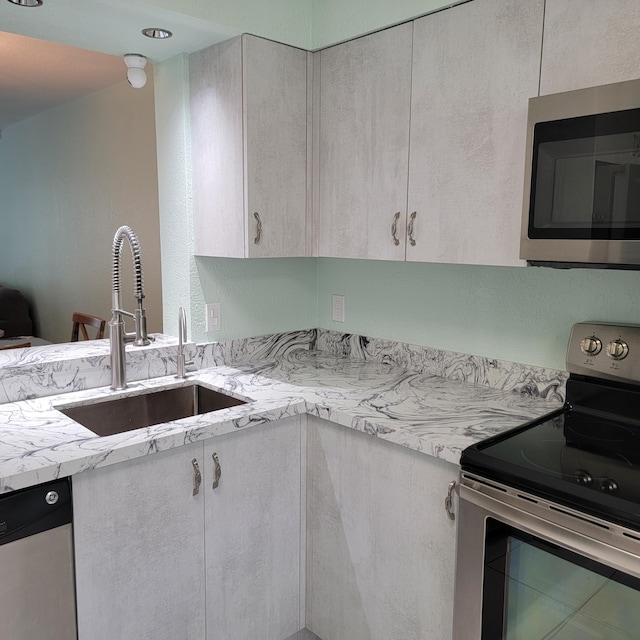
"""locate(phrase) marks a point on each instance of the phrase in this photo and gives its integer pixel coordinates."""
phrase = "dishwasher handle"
(33, 510)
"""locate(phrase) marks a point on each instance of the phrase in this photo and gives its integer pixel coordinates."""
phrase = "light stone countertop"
(435, 415)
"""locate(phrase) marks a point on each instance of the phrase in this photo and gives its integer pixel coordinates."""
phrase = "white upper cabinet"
(365, 95)
(589, 43)
(474, 68)
(249, 147)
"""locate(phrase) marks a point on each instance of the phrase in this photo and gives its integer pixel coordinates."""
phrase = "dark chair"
(15, 317)
(80, 323)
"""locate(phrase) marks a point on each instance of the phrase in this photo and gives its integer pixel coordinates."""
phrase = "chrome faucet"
(181, 360)
(117, 334)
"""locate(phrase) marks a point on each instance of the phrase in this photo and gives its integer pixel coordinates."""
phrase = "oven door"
(528, 569)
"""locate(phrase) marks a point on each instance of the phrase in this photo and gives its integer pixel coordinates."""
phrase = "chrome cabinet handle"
(448, 501)
(412, 240)
(256, 240)
(217, 470)
(197, 477)
(394, 229)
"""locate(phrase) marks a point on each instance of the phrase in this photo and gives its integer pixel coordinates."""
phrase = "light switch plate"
(337, 313)
(213, 320)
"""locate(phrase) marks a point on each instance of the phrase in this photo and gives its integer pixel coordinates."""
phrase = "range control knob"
(583, 477)
(617, 349)
(591, 346)
(608, 485)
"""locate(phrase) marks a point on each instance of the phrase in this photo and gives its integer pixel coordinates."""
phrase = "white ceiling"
(65, 49)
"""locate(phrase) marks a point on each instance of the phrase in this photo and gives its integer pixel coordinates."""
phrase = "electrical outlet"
(337, 314)
(213, 320)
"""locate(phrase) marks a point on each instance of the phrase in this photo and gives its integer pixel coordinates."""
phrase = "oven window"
(534, 590)
(586, 177)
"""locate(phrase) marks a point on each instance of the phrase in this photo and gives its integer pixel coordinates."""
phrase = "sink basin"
(133, 412)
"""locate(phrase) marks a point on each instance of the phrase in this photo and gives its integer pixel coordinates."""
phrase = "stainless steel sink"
(133, 412)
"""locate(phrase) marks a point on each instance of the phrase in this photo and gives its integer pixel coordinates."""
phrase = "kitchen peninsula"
(290, 473)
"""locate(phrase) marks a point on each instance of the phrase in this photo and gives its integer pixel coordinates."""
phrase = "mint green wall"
(510, 313)
(257, 296)
(174, 185)
(519, 314)
(286, 21)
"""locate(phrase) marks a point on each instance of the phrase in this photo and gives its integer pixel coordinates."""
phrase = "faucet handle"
(181, 360)
(182, 326)
(140, 320)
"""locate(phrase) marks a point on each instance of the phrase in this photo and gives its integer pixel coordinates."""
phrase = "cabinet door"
(217, 151)
(275, 111)
(365, 94)
(248, 101)
(139, 540)
(588, 43)
(253, 533)
(474, 68)
(381, 549)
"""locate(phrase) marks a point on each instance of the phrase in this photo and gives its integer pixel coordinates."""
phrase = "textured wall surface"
(256, 296)
(174, 187)
(517, 314)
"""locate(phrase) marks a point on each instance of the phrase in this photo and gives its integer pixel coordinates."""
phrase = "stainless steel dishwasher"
(37, 585)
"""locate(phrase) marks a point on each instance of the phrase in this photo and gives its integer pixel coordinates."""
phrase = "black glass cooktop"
(585, 456)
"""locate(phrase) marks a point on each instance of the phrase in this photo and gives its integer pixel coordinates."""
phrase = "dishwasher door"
(37, 584)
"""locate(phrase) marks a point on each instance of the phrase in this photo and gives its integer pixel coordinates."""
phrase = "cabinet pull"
(217, 470)
(256, 240)
(197, 477)
(448, 501)
(394, 229)
(412, 240)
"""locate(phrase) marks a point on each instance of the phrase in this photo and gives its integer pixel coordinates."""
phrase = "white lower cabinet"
(380, 546)
(252, 522)
(139, 541)
(310, 524)
(146, 547)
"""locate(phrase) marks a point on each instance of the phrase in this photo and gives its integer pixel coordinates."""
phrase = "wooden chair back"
(80, 323)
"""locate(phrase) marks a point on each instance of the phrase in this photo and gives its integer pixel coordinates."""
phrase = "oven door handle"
(448, 501)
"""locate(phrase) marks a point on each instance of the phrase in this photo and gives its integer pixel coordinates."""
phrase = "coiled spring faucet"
(117, 334)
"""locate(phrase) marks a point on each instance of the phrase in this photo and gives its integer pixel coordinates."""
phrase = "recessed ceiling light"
(157, 32)
(27, 3)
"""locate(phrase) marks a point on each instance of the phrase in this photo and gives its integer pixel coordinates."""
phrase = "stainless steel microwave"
(582, 178)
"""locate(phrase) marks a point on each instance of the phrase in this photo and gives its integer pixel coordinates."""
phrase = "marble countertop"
(434, 415)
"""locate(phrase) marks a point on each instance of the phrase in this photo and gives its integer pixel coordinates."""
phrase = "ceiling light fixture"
(135, 69)
(27, 3)
(157, 33)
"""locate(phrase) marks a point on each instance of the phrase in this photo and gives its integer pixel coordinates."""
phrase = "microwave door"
(573, 188)
(609, 194)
